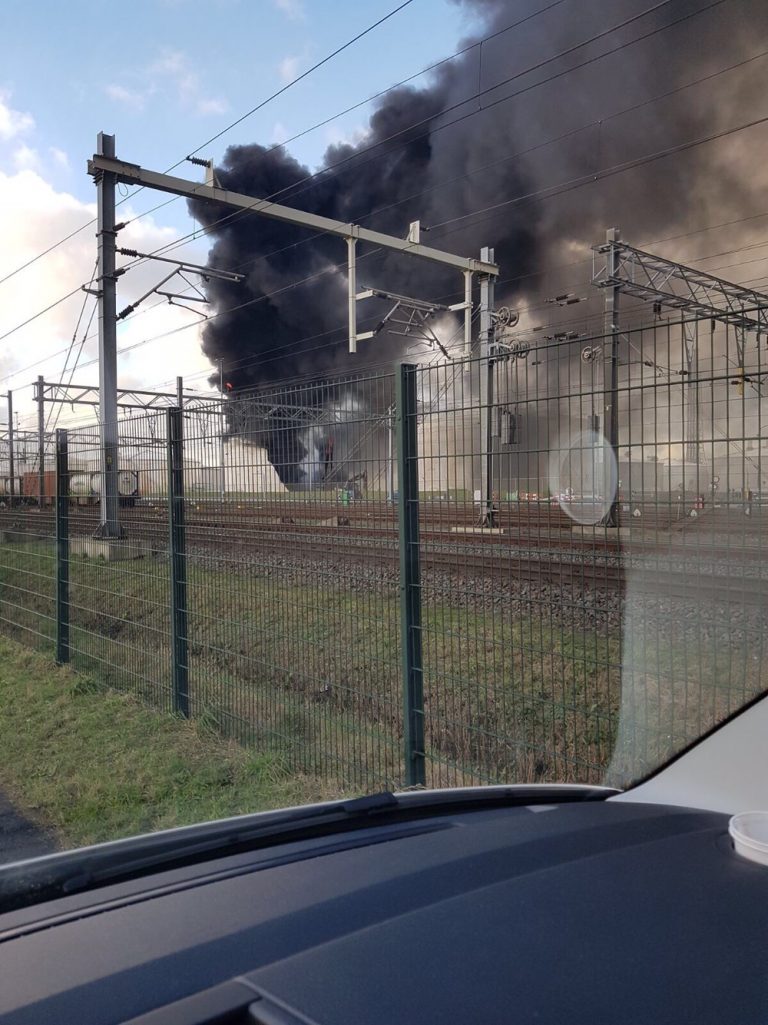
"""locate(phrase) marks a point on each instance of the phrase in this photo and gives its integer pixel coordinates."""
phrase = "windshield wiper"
(59, 875)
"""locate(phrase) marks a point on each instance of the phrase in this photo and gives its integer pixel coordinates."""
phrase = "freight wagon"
(84, 487)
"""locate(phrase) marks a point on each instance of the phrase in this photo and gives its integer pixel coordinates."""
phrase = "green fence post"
(410, 584)
(62, 547)
(178, 561)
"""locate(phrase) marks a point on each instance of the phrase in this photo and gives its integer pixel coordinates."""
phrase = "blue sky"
(165, 75)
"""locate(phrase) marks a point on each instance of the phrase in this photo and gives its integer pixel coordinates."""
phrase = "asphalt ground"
(20, 838)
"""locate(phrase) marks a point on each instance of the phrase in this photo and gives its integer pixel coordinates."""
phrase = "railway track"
(537, 555)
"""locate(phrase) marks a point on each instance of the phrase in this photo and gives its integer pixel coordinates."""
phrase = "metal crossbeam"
(127, 398)
(645, 276)
(245, 409)
(133, 174)
(408, 318)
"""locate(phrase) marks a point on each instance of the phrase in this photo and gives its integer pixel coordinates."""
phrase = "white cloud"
(352, 136)
(35, 215)
(13, 122)
(288, 68)
(279, 133)
(170, 62)
(59, 157)
(25, 158)
(175, 69)
(293, 9)
(130, 97)
(211, 105)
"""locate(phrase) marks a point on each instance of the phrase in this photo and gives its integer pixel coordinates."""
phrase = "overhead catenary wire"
(508, 280)
(74, 337)
(331, 170)
(473, 171)
(612, 170)
(537, 66)
(167, 247)
(34, 316)
(549, 189)
(325, 172)
(582, 322)
(259, 106)
(480, 169)
(299, 78)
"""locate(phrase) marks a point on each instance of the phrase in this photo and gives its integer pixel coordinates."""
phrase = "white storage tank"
(127, 483)
(80, 484)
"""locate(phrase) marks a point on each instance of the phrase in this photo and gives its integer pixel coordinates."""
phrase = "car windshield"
(408, 433)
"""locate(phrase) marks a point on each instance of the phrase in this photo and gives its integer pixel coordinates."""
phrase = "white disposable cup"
(749, 832)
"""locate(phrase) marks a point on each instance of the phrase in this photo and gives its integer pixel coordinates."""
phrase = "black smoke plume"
(439, 153)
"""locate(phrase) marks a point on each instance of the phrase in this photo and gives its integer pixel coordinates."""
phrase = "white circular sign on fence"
(583, 476)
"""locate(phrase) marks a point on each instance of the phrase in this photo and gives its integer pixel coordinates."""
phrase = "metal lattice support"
(57, 392)
(645, 276)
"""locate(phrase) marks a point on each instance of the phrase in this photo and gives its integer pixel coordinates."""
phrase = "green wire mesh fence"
(441, 575)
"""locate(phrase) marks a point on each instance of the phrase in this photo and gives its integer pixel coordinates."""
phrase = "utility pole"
(222, 479)
(11, 459)
(690, 331)
(611, 404)
(40, 441)
(391, 428)
(180, 392)
(487, 290)
(109, 526)
(741, 345)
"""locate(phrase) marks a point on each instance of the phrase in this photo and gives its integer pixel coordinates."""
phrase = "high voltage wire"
(709, 77)
(324, 171)
(299, 78)
(480, 93)
(577, 183)
(560, 74)
(330, 170)
(527, 151)
(411, 78)
(40, 313)
(259, 106)
(608, 172)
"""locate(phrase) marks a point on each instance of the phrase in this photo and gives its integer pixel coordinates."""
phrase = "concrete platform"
(601, 531)
(108, 550)
(474, 530)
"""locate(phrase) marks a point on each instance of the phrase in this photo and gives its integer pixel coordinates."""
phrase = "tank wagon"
(84, 487)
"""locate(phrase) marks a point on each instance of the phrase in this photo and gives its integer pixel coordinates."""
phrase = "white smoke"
(330, 441)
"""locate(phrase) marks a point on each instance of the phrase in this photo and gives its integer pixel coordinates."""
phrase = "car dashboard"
(582, 912)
